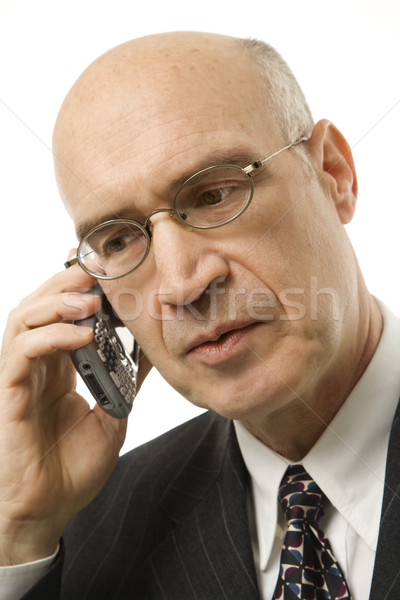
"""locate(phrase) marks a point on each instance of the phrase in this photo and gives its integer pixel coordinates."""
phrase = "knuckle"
(19, 342)
(19, 318)
(14, 314)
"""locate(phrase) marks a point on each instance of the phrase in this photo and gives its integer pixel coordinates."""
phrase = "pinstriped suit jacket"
(171, 524)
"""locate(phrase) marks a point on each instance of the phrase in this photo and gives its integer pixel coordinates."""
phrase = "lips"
(221, 342)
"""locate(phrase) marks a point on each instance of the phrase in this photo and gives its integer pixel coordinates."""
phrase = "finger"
(49, 309)
(61, 307)
(72, 253)
(73, 279)
(30, 345)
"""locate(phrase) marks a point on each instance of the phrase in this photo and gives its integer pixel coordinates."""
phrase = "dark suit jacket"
(171, 524)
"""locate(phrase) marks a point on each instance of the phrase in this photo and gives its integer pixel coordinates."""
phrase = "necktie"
(308, 570)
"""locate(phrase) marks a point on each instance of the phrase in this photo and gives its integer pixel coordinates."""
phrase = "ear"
(332, 160)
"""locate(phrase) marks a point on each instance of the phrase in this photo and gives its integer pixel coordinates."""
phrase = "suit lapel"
(209, 549)
(386, 578)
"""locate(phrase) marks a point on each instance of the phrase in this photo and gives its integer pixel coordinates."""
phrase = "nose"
(186, 260)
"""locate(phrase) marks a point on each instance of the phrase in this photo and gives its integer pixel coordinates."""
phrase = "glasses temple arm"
(260, 163)
(71, 262)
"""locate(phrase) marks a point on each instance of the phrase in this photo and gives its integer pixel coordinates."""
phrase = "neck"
(293, 430)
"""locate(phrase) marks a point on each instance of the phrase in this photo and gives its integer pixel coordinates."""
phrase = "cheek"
(300, 250)
(126, 300)
(294, 233)
(273, 252)
(140, 312)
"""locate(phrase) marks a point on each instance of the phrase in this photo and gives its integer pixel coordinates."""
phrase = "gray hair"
(288, 102)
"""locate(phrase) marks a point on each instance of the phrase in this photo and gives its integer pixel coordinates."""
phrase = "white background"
(345, 54)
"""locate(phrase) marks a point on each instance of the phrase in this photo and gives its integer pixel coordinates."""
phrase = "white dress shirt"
(348, 463)
(18, 579)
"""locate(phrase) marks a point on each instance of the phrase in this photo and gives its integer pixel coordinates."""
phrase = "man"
(253, 306)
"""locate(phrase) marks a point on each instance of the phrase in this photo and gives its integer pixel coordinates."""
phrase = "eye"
(117, 244)
(213, 196)
(118, 241)
(114, 248)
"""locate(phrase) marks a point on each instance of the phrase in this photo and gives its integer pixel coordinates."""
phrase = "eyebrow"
(84, 228)
(239, 157)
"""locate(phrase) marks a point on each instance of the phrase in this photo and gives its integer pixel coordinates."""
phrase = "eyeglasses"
(210, 198)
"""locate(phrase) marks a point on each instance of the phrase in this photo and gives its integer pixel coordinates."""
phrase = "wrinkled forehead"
(146, 114)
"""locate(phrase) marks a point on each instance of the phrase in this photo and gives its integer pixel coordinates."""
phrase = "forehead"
(149, 123)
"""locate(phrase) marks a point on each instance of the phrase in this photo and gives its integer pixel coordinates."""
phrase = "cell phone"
(106, 365)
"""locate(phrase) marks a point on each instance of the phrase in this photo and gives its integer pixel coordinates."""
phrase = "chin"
(242, 400)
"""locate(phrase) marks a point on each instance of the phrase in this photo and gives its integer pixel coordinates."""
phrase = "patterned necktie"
(308, 569)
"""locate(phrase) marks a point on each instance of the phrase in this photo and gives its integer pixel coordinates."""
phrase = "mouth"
(222, 343)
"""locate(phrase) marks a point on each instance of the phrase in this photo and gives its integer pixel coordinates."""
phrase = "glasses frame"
(174, 213)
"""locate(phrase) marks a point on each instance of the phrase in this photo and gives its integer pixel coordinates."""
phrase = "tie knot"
(300, 496)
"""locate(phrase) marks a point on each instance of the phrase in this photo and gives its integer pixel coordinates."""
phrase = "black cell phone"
(106, 365)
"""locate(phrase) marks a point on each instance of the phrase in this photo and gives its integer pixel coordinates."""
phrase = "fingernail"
(83, 330)
(72, 253)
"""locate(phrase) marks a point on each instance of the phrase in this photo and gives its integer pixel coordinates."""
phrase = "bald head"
(159, 69)
(144, 86)
(140, 85)
(152, 67)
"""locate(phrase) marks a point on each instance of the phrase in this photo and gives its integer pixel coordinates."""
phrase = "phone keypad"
(112, 354)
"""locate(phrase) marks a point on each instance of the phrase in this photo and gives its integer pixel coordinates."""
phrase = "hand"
(55, 453)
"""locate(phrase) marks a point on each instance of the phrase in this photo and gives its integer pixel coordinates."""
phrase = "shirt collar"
(348, 461)
(353, 476)
(266, 470)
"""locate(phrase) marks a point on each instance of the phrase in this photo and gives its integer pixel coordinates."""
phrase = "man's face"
(240, 319)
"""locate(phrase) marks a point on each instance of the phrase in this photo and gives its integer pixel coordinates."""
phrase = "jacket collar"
(209, 548)
(386, 578)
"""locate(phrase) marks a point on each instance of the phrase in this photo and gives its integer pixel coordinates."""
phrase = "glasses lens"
(214, 196)
(114, 249)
